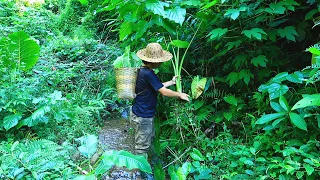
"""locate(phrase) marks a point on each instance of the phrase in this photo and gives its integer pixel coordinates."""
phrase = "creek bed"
(117, 135)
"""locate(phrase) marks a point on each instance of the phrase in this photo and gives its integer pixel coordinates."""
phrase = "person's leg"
(143, 134)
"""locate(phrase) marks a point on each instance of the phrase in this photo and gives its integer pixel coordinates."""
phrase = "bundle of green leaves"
(127, 60)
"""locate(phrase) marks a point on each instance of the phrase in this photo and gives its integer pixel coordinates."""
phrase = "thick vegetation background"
(257, 116)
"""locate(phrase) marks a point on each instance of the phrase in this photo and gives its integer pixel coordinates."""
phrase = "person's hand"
(174, 79)
(184, 96)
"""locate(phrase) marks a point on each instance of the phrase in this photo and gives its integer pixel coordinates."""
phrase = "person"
(147, 85)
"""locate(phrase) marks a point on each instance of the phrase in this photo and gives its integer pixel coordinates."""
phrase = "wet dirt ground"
(116, 134)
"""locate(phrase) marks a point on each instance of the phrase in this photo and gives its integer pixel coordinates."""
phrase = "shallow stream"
(117, 135)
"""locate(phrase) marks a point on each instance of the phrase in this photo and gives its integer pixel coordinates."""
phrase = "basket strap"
(137, 79)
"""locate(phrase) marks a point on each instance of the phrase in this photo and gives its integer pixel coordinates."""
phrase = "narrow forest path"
(117, 135)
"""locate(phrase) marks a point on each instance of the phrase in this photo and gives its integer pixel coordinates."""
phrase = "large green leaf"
(130, 161)
(277, 8)
(176, 14)
(233, 77)
(296, 77)
(246, 75)
(310, 14)
(217, 33)
(87, 177)
(38, 116)
(197, 86)
(260, 60)
(125, 30)
(103, 166)
(308, 100)
(276, 106)
(231, 100)
(298, 121)
(157, 7)
(179, 43)
(141, 27)
(284, 103)
(88, 145)
(314, 50)
(269, 117)
(210, 4)
(11, 120)
(308, 168)
(196, 155)
(23, 52)
(289, 32)
(280, 77)
(232, 13)
(234, 44)
(84, 2)
(195, 3)
(255, 32)
(239, 61)
(276, 90)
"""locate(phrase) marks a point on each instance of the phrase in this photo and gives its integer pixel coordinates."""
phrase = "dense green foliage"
(252, 68)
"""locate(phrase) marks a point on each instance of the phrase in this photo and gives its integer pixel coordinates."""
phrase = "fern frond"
(216, 95)
(41, 157)
(313, 66)
(317, 46)
(316, 23)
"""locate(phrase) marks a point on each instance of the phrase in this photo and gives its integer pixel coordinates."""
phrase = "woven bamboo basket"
(126, 82)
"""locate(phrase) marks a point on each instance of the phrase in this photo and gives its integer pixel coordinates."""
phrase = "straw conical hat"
(154, 53)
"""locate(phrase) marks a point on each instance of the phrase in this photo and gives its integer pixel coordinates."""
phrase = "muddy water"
(117, 135)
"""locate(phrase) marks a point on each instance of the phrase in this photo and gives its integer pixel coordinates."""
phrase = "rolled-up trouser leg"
(144, 133)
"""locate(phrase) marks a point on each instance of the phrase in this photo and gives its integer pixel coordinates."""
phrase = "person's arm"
(169, 93)
(170, 83)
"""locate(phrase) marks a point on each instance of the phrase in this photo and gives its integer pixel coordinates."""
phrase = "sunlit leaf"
(103, 166)
(298, 121)
(197, 86)
(212, 3)
(125, 30)
(276, 106)
(130, 161)
(196, 155)
(227, 115)
(269, 117)
(179, 43)
(11, 120)
(176, 14)
(231, 100)
(284, 104)
(308, 100)
(195, 3)
(308, 168)
(157, 7)
(88, 145)
(84, 2)
(232, 13)
(280, 77)
(276, 90)
(23, 52)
